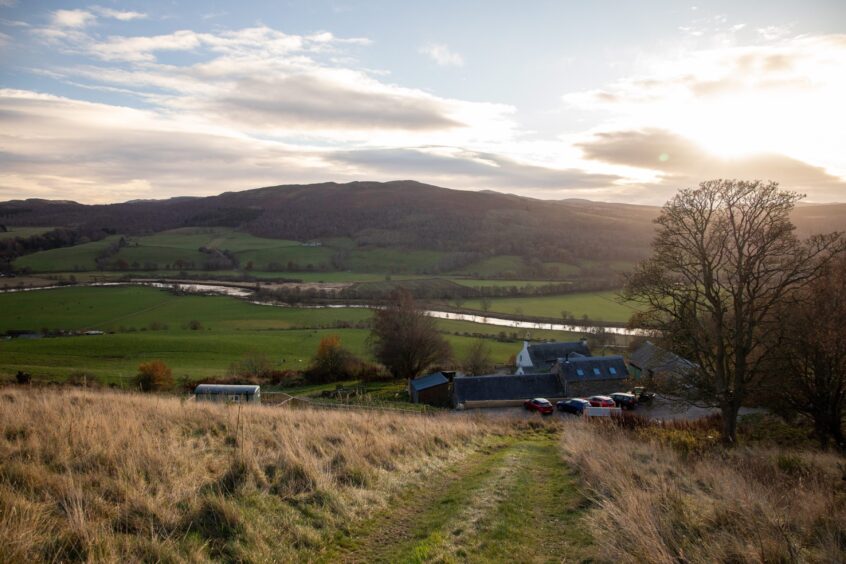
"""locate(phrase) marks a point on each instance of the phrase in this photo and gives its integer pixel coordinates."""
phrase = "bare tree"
(810, 371)
(405, 339)
(478, 359)
(724, 257)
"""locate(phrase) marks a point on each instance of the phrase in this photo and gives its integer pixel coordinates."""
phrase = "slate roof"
(429, 381)
(226, 389)
(544, 355)
(580, 368)
(506, 387)
(649, 356)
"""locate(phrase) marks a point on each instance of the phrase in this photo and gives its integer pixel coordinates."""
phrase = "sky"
(624, 101)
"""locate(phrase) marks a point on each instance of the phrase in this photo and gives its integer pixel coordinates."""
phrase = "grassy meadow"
(150, 323)
(667, 494)
(13, 231)
(598, 306)
(179, 481)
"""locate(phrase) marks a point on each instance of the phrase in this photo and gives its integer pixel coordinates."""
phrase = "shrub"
(23, 377)
(332, 362)
(194, 325)
(154, 376)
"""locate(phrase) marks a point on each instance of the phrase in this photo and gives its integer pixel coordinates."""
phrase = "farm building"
(432, 389)
(575, 376)
(228, 393)
(541, 357)
(591, 375)
(651, 361)
(504, 390)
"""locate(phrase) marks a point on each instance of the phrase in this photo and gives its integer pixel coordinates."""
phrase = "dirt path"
(516, 501)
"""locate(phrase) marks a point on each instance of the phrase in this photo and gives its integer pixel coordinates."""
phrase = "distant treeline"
(437, 289)
(15, 247)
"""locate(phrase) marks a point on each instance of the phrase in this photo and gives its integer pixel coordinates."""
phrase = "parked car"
(573, 405)
(601, 401)
(624, 400)
(541, 405)
(642, 395)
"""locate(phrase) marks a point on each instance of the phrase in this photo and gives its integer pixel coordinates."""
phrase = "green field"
(598, 306)
(231, 329)
(13, 231)
(76, 258)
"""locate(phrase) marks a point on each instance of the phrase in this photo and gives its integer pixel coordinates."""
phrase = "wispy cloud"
(442, 55)
(122, 15)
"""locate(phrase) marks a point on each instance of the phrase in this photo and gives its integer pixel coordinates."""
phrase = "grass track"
(516, 500)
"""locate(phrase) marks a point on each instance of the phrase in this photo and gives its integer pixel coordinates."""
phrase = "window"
(596, 372)
(580, 372)
(612, 371)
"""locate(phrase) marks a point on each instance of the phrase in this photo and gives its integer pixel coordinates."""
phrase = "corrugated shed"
(429, 381)
(649, 356)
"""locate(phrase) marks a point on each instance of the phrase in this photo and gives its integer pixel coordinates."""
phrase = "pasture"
(598, 306)
(150, 323)
(13, 231)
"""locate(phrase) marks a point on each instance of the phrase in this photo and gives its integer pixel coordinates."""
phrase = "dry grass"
(657, 503)
(115, 477)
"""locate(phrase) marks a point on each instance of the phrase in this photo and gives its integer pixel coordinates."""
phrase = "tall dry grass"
(656, 503)
(88, 476)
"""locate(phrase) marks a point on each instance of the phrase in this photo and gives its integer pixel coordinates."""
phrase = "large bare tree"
(811, 367)
(405, 339)
(724, 257)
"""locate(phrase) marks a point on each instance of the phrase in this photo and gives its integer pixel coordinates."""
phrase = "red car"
(540, 405)
(601, 401)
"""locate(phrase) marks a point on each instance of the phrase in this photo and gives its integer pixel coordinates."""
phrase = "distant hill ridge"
(398, 214)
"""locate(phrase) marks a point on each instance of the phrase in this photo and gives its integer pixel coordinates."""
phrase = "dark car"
(602, 401)
(573, 405)
(643, 396)
(625, 400)
(540, 405)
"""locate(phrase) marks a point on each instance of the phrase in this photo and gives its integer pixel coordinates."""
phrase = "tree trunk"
(728, 412)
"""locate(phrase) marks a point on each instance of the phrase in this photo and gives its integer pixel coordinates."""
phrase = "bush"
(194, 325)
(23, 377)
(332, 362)
(154, 376)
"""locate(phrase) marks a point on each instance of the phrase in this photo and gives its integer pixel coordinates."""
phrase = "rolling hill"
(404, 219)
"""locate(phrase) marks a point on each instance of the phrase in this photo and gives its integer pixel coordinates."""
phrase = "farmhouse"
(591, 375)
(432, 389)
(651, 361)
(228, 393)
(542, 357)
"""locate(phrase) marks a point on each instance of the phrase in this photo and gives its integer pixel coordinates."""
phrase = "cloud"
(260, 80)
(442, 55)
(72, 18)
(680, 162)
(314, 101)
(467, 168)
(54, 147)
(122, 15)
(782, 98)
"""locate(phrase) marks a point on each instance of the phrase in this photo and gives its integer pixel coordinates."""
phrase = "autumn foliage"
(154, 376)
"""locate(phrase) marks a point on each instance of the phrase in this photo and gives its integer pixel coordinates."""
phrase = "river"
(244, 293)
